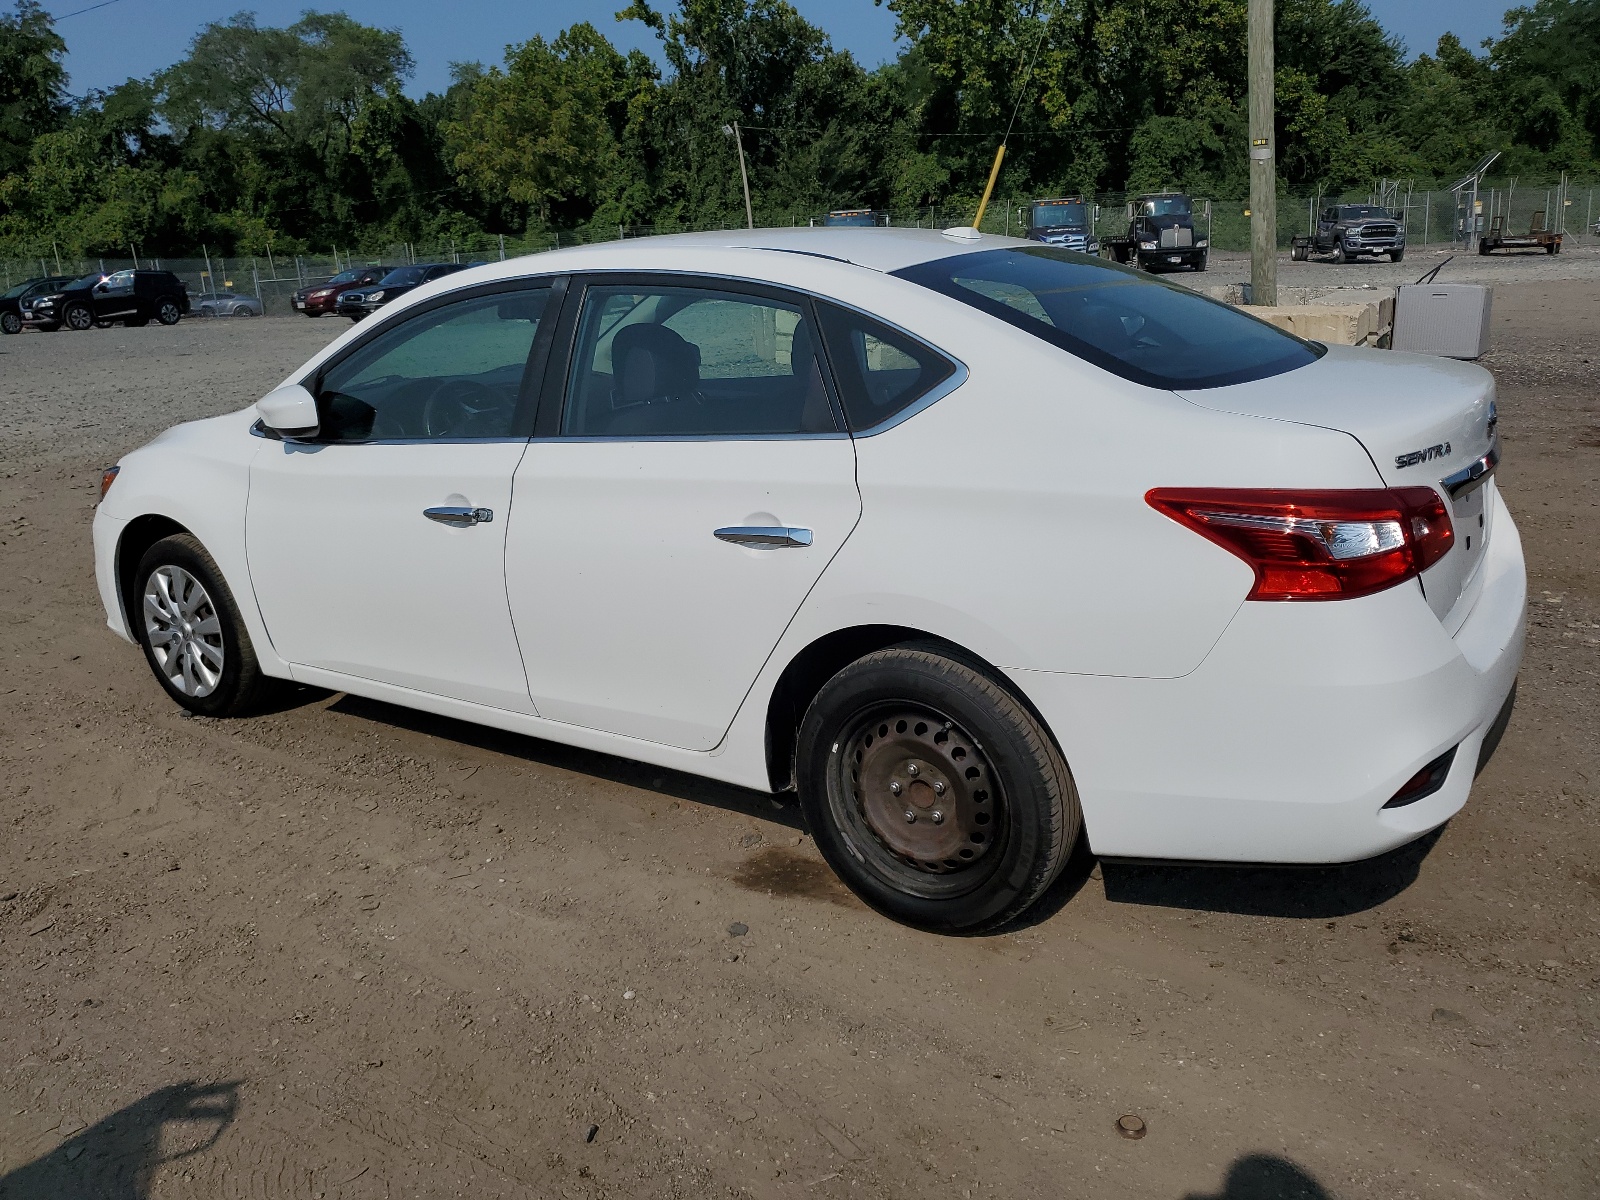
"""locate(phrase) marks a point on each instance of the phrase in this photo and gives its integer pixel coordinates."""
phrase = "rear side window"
(1154, 333)
(880, 371)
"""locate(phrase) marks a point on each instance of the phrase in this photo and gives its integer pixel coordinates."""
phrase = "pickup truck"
(1160, 235)
(1348, 231)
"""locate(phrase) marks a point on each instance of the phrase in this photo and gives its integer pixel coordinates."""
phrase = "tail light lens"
(1318, 545)
(107, 478)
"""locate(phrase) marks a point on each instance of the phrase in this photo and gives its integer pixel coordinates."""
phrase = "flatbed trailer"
(1537, 237)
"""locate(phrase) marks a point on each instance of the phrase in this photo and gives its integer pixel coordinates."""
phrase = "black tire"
(1340, 254)
(10, 323)
(1397, 255)
(1483, 247)
(962, 742)
(240, 686)
(1201, 265)
(169, 311)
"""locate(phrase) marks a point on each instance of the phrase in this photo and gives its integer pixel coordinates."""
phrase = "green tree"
(33, 81)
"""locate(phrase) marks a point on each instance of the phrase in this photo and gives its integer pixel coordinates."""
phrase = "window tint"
(1158, 334)
(120, 283)
(451, 372)
(404, 275)
(881, 372)
(693, 362)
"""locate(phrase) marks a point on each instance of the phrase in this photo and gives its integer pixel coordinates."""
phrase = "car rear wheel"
(168, 312)
(10, 323)
(244, 311)
(932, 791)
(78, 318)
(189, 626)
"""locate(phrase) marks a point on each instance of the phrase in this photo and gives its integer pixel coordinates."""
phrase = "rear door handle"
(459, 516)
(770, 537)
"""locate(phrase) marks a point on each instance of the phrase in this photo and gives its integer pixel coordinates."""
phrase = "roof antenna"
(972, 231)
(1431, 275)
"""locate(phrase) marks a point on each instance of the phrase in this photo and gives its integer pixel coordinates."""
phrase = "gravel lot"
(344, 950)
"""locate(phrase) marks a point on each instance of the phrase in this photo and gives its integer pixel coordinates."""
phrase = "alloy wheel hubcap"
(925, 790)
(184, 631)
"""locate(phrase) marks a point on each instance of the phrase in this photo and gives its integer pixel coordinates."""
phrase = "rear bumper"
(1305, 719)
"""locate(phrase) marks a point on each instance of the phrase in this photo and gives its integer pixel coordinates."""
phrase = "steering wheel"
(463, 408)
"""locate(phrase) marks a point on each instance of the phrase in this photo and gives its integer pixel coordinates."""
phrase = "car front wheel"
(1340, 254)
(10, 323)
(168, 312)
(1397, 255)
(932, 791)
(189, 626)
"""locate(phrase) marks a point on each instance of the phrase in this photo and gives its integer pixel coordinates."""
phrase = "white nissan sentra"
(980, 546)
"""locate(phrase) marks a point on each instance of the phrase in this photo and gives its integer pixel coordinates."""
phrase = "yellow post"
(994, 173)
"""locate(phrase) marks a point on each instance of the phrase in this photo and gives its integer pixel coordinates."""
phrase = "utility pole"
(1263, 167)
(744, 177)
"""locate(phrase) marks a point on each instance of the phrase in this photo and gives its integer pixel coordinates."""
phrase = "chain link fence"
(1433, 216)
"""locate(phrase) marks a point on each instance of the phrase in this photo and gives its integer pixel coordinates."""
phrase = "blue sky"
(137, 37)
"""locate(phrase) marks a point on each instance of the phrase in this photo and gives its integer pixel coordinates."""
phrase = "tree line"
(302, 137)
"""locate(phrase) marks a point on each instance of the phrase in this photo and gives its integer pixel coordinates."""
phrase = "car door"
(673, 512)
(114, 296)
(377, 549)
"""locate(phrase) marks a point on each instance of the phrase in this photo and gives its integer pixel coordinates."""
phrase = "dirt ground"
(344, 950)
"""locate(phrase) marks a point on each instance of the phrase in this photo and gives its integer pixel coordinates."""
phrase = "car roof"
(878, 249)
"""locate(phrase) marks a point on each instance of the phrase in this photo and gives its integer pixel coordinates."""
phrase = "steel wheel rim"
(938, 768)
(184, 632)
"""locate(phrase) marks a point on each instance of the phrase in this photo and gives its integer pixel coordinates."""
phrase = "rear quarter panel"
(1010, 516)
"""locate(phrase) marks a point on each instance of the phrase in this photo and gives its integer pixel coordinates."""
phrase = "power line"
(90, 9)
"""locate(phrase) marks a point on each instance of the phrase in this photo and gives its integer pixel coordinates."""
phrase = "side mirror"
(290, 410)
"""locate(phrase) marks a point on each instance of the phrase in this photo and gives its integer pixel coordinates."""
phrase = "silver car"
(226, 304)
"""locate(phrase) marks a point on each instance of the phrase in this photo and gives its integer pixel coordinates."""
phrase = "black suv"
(11, 302)
(132, 297)
(360, 302)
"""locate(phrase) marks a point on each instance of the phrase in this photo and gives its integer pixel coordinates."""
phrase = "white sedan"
(979, 545)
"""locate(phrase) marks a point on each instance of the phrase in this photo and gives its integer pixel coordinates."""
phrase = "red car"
(321, 298)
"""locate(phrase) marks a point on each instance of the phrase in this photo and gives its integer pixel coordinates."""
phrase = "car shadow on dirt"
(1265, 1177)
(779, 809)
(116, 1158)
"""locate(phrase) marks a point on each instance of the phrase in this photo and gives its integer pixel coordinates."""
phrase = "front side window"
(451, 372)
(684, 361)
(1154, 333)
(119, 284)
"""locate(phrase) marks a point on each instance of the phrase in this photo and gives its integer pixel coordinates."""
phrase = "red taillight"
(107, 478)
(1318, 545)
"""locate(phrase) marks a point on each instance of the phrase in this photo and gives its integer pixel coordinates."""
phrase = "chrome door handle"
(459, 516)
(769, 536)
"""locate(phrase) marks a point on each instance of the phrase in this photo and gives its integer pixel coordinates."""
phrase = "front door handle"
(770, 537)
(459, 515)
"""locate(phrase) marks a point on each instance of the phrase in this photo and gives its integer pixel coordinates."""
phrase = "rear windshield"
(1154, 333)
(402, 275)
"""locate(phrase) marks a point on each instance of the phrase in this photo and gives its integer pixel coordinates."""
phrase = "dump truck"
(1161, 234)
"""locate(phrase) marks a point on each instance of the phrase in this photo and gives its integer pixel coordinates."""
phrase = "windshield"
(1158, 334)
(1060, 212)
(18, 290)
(1164, 206)
(403, 275)
(88, 280)
(1363, 212)
(346, 277)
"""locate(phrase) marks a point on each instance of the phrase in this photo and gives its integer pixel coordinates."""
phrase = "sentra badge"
(1442, 450)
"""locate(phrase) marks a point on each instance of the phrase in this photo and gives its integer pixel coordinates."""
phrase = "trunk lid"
(1422, 419)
